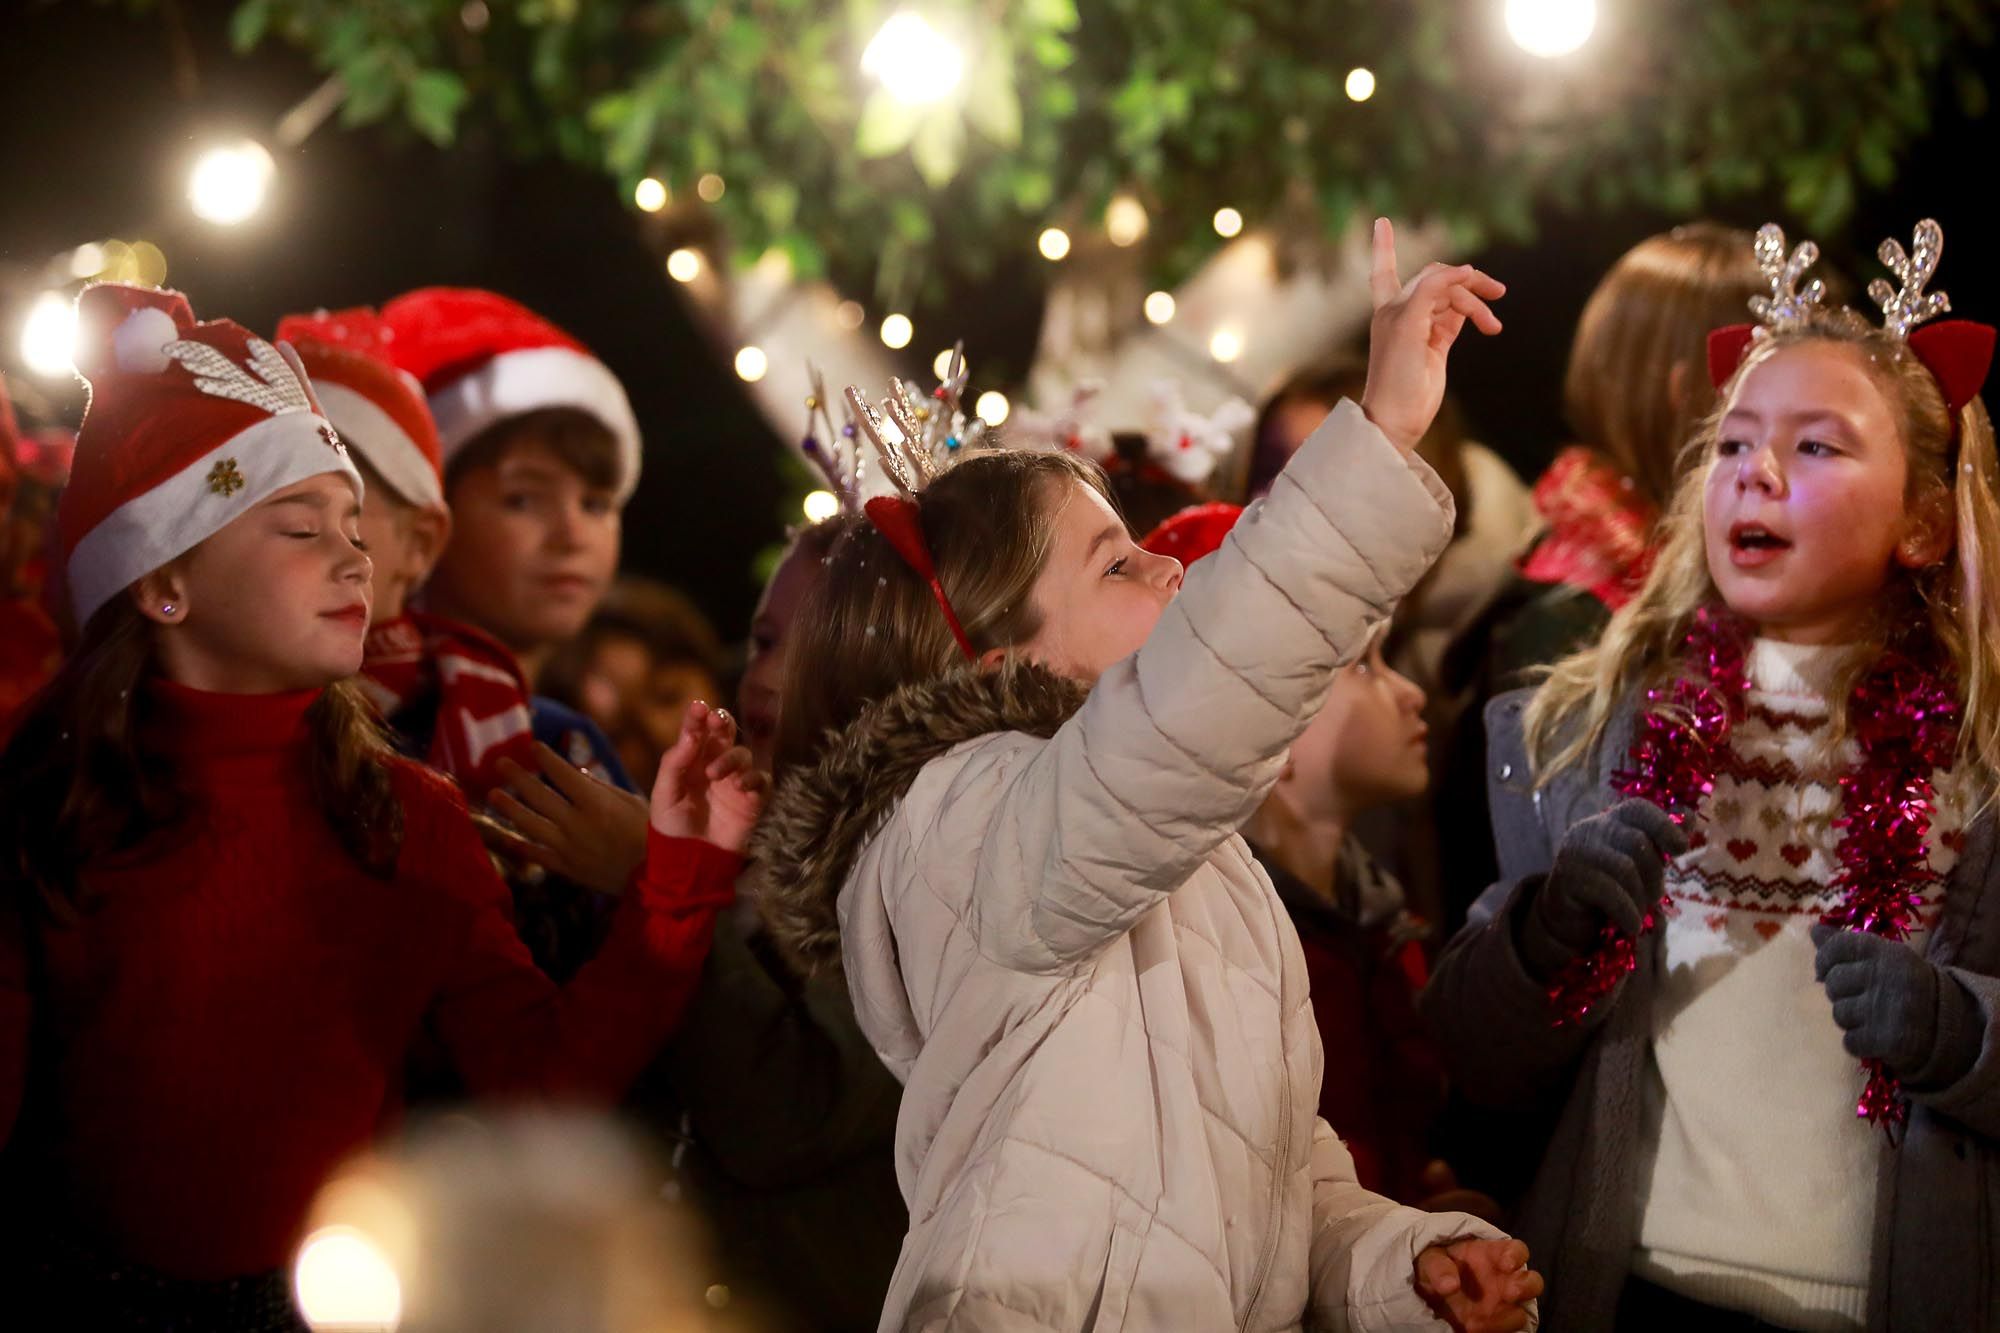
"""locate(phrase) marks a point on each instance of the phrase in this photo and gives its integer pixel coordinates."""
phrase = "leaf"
(631, 143)
(1032, 189)
(371, 88)
(991, 104)
(248, 25)
(938, 148)
(886, 125)
(432, 102)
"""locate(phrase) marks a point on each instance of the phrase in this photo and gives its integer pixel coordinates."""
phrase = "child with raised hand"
(1791, 735)
(230, 910)
(1015, 755)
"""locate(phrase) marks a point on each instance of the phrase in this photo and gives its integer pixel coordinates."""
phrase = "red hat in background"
(483, 359)
(189, 425)
(378, 409)
(10, 449)
(1194, 532)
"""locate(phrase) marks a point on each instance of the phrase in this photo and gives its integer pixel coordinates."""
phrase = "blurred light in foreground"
(228, 184)
(1550, 28)
(710, 187)
(1228, 222)
(1160, 307)
(751, 363)
(897, 332)
(912, 60)
(344, 1281)
(1054, 244)
(1226, 345)
(992, 407)
(684, 265)
(475, 16)
(650, 194)
(821, 506)
(149, 263)
(1360, 84)
(48, 339)
(849, 315)
(1125, 220)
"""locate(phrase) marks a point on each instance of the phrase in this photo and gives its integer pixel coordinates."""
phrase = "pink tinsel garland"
(1905, 720)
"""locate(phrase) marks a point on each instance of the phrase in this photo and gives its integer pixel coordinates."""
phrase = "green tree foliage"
(1191, 105)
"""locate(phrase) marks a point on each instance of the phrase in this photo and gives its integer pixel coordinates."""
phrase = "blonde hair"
(1651, 313)
(872, 625)
(1951, 467)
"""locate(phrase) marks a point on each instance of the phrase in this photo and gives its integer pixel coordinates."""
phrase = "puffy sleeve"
(1365, 1248)
(505, 1024)
(1076, 837)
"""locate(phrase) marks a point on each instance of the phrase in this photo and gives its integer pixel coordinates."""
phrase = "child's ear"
(429, 532)
(1932, 531)
(992, 659)
(161, 596)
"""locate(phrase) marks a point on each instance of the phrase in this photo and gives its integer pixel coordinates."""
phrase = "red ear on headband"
(1726, 347)
(1958, 352)
(896, 518)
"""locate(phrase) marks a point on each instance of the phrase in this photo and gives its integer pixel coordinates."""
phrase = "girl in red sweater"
(227, 910)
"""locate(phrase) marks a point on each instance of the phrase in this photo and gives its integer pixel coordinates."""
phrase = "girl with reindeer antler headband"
(1015, 755)
(1748, 838)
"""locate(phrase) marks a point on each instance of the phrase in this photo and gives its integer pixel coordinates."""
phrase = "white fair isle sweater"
(1761, 1187)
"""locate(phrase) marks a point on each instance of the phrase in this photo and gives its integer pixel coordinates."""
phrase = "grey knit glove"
(1610, 867)
(1898, 1008)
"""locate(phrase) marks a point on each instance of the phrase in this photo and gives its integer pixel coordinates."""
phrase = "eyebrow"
(1749, 417)
(311, 500)
(1108, 534)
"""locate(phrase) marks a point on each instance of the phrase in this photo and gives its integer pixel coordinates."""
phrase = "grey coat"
(1937, 1217)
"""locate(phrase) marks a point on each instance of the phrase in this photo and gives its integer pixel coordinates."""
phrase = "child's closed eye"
(1817, 448)
(1117, 566)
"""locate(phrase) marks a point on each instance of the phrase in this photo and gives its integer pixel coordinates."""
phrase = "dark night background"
(103, 111)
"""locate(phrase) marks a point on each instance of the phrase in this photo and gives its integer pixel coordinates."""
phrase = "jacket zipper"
(1284, 1165)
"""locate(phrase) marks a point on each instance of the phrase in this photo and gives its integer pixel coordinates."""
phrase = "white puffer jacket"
(1093, 995)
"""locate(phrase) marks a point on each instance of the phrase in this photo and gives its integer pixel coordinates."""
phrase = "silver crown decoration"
(836, 452)
(922, 432)
(1787, 307)
(1905, 307)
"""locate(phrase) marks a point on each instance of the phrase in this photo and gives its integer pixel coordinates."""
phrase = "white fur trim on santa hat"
(387, 448)
(529, 380)
(183, 511)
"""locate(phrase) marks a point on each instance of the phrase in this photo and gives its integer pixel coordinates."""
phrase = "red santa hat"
(1194, 532)
(189, 426)
(378, 409)
(483, 358)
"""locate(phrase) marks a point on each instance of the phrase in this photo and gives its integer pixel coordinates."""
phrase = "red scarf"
(479, 687)
(1599, 529)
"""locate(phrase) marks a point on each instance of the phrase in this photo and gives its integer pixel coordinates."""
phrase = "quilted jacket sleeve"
(1179, 743)
(1365, 1248)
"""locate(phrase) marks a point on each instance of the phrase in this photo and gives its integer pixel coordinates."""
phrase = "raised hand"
(1412, 330)
(1479, 1286)
(708, 786)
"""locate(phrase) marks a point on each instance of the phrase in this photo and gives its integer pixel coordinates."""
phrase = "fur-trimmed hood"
(823, 815)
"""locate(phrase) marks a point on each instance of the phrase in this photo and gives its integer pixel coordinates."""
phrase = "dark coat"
(1937, 1226)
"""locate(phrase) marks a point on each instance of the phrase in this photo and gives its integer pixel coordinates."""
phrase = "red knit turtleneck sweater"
(231, 1014)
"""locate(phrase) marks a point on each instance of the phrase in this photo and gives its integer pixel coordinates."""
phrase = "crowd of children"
(1062, 928)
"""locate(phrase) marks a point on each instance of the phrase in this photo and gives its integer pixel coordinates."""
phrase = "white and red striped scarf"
(481, 693)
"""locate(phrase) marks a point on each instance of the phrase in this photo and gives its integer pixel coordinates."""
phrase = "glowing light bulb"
(48, 338)
(849, 315)
(1360, 83)
(650, 194)
(897, 332)
(1159, 307)
(710, 187)
(1551, 28)
(1226, 345)
(1228, 222)
(1054, 245)
(992, 407)
(1125, 221)
(821, 506)
(228, 184)
(684, 265)
(912, 60)
(751, 363)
